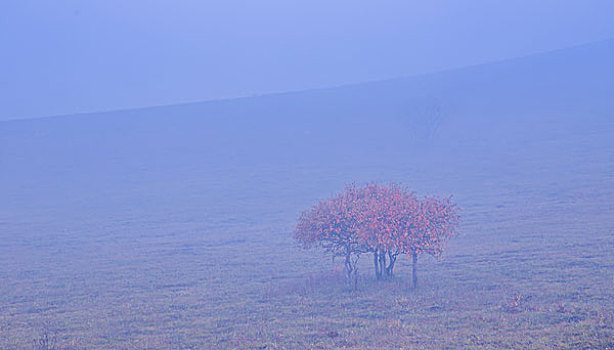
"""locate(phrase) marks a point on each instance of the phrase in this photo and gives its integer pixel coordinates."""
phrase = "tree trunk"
(414, 270)
(348, 270)
(355, 273)
(378, 272)
(390, 268)
(382, 262)
(351, 270)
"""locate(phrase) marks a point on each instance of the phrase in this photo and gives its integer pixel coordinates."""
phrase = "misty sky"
(70, 56)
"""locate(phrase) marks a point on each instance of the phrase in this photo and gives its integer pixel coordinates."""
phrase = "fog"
(68, 56)
(172, 227)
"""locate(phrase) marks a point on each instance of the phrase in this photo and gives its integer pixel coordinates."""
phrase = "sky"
(74, 56)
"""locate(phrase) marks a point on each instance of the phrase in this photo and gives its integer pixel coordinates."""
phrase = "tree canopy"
(386, 220)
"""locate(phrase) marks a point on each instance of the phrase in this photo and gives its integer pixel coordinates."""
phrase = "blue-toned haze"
(68, 56)
(172, 227)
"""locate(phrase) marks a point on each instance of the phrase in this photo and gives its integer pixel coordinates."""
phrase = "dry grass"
(184, 264)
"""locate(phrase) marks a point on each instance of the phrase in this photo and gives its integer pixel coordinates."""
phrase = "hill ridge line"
(321, 89)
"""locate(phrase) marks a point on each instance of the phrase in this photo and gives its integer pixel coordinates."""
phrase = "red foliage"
(385, 212)
(332, 224)
(383, 219)
(435, 224)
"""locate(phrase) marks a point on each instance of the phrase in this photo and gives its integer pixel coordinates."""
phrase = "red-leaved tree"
(333, 225)
(385, 209)
(429, 228)
(386, 220)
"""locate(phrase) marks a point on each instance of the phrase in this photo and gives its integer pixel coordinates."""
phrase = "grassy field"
(172, 227)
(204, 257)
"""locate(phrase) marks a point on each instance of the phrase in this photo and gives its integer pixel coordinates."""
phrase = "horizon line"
(332, 87)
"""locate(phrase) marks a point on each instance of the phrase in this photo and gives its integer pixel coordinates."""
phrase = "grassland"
(203, 257)
(171, 227)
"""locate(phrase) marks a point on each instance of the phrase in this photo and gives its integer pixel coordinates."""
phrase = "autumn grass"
(439, 314)
(483, 294)
(515, 291)
(533, 267)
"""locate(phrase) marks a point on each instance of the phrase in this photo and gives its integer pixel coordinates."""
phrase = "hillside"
(469, 113)
(109, 220)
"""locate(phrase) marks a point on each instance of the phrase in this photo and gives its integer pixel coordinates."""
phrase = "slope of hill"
(471, 111)
(103, 216)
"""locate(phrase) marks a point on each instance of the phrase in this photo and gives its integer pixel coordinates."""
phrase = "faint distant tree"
(386, 220)
(424, 117)
(434, 116)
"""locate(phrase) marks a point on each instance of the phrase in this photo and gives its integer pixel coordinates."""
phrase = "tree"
(386, 220)
(428, 229)
(384, 210)
(333, 225)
